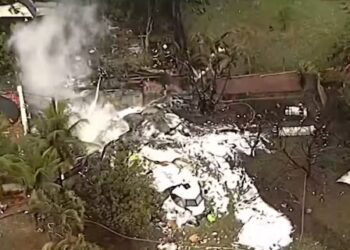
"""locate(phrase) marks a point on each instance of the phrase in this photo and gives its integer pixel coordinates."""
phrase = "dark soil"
(280, 183)
(326, 206)
(110, 241)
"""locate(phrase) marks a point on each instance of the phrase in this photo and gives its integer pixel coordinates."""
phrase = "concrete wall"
(250, 85)
(125, 98)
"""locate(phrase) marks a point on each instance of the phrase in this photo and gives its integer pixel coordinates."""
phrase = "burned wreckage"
(288, 107)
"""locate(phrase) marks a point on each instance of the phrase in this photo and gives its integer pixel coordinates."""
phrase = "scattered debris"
(194, 238)
(297, 131)
(345, 178)
(167, 246)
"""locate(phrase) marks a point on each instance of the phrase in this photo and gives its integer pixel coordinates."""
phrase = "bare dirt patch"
(18, 232)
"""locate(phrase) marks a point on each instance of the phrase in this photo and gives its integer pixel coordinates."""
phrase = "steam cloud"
(47, 49)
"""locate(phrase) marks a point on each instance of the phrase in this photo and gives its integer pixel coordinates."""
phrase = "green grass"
(311, 29)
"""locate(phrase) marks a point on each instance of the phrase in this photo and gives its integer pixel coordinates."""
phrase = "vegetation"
(60, 211)
(121, 197)
(278, 34)
(43, 156)
(7, 59)
(71, 243)
(211, 40)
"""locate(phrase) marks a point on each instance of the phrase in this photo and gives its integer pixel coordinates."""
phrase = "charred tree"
(179, 31)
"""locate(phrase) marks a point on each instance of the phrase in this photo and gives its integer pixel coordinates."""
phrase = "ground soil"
(110, 241)
(18, 233)
(326, 206)
(280, 182)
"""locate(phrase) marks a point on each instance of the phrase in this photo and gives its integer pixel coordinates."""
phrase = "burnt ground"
(280, 182)
(326, 208)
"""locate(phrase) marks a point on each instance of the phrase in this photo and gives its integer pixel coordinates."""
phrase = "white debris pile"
(167, 246)
(263, 226)
(193, 168)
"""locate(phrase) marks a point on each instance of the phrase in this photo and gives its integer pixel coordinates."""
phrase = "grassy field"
(279, 33)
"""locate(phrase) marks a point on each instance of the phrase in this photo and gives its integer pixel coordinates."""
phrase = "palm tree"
(43, 156)
(34, 166)
(53, 126)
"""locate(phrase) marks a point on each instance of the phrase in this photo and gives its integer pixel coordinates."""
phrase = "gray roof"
(30, 6)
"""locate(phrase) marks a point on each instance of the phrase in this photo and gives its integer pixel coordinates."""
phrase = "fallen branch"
(303, 207)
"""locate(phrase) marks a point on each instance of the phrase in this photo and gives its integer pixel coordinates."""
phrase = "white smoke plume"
(47, 49)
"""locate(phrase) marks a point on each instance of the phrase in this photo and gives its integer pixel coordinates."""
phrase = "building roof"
(19, 9)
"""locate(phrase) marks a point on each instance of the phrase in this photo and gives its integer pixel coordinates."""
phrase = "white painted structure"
(297, 131)
(296, 111)
(22, 107)
(19, 9)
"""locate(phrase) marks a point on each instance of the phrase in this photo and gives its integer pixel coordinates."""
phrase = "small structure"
(188, 197)
(299, 110)
(297, 131)
(23, 9)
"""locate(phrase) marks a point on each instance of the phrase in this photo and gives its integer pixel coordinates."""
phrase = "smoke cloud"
(55, 48)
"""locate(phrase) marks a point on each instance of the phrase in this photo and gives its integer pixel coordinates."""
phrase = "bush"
(7, 61)
(118, 194)
(61, 212)
(71, 243)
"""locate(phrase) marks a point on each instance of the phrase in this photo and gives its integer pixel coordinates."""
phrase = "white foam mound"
(345, 178)
(263, 226)
(205, 160)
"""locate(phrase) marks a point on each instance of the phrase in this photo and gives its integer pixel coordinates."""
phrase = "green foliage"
(340, 55)
(259, 25)
(122, 10)
(284, 17)
(6, 146)
(53, 126)
(43, 156)
(30, 164)
(7, 61)
(221, 55)
(71, 243)
(307, 67)
(31, 176)
(120, 196)
(62, 211)
(198, 6)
